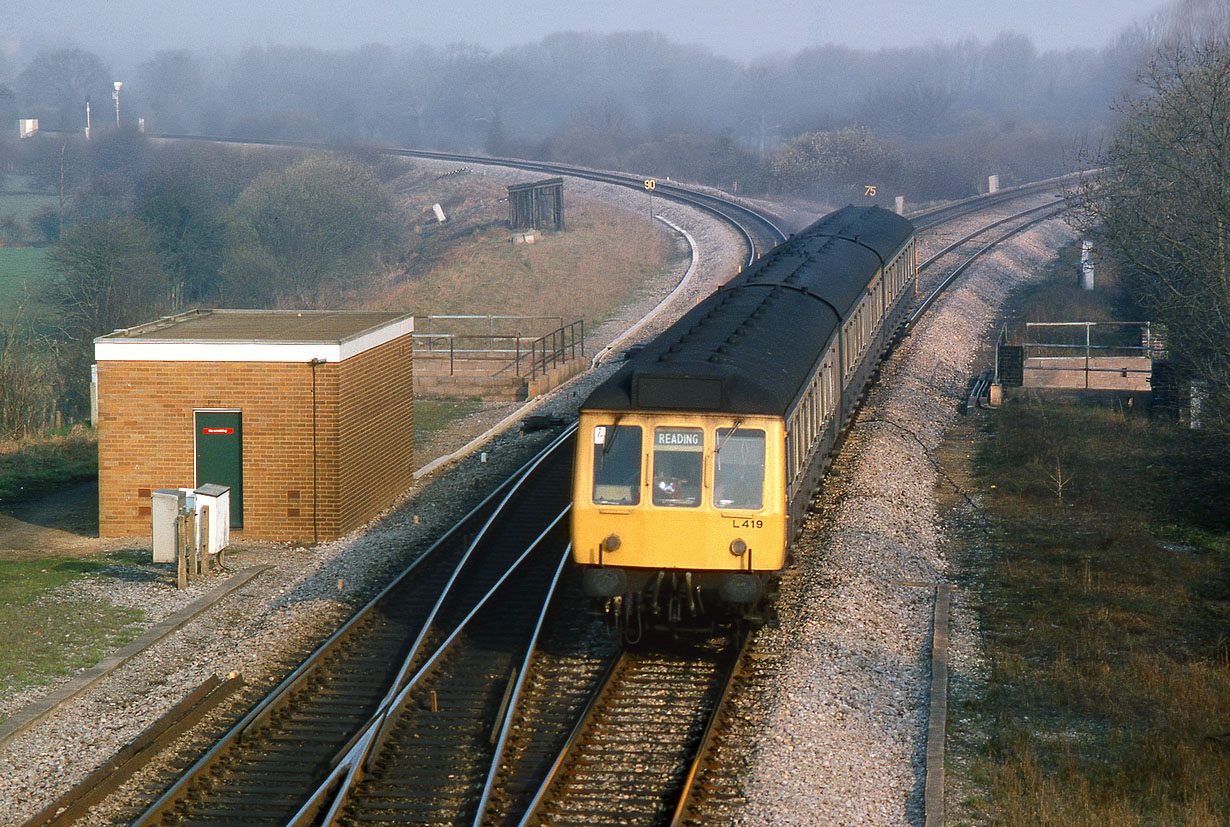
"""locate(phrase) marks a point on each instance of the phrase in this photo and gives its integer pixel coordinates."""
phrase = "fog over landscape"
(164, 159)
(126, 31)
(823, 102)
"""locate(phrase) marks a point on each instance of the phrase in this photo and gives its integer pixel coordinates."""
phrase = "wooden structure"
(538, 205)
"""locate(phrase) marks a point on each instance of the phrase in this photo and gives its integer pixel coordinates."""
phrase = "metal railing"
(558, 346)
(525, 355)
(1038, 354)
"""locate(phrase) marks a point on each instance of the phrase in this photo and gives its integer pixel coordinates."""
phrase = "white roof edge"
(178, 350)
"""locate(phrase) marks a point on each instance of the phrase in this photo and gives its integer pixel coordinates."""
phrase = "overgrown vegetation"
(1163, 206)
(35, 466)
(44, 636)
(1100, 566)
(1105, 599)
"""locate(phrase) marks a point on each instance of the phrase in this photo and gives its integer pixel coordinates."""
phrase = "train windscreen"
(738, 470)
(678, 466)
(617, 464)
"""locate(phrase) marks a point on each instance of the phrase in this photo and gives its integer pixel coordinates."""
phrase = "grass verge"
(435, 413)
(1105, 608)
(38, 465)
(44, 636)
(470, 264)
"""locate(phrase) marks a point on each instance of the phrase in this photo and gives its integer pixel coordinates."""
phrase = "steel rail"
(371, 736)
(705, 749)
(728, 210)
(278, 698)
(961, 268)
(552, 775)
(679, 735)
(417, 646)
(926, 219)
(513, 702)
(954, 245)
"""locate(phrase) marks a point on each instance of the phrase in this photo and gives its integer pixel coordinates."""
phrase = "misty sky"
(124, 30)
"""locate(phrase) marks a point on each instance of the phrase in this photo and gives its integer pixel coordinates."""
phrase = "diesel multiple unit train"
(697, 459)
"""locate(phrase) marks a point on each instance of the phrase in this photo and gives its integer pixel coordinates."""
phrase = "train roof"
(749, 347)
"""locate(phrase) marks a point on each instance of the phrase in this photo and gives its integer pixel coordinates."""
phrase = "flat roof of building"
(255, 335)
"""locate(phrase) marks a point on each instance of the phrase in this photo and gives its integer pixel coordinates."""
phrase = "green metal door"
(219, 455)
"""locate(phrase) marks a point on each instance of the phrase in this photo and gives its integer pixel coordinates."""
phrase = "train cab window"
(617, 464)
(738, 468)
(678, 466)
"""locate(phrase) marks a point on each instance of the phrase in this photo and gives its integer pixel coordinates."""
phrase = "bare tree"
(25, 389)
(109, 275)
(1194, 22)
(1163, 204)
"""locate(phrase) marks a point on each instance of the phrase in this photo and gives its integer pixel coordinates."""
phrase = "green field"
(24, 205)
(23, 272)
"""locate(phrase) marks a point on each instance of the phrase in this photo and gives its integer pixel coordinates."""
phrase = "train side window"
(678, 466)
(617, 464)
(738, 475)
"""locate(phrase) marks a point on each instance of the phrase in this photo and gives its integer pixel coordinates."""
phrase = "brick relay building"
(308, 416)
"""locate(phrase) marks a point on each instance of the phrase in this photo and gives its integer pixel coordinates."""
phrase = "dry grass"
(1109, 695)
(1104, 591)
(36, 465)
(469, 265)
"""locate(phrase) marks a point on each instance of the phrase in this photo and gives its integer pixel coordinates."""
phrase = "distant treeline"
(923, 122)
(144, 230)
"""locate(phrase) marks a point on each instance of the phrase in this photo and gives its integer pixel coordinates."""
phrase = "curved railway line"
(758, 231)
(457, 691)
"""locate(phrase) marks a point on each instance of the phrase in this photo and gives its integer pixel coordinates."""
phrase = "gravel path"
(845, 729)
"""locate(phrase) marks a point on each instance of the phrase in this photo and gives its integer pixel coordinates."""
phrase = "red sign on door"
(217, 430)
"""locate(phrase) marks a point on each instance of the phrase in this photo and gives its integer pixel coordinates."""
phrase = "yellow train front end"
(678, 517)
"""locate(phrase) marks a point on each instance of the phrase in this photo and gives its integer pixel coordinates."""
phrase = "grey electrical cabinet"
(167, 503)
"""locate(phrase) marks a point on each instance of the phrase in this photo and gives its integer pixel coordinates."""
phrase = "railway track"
(495, 697)
(939, 280)
(423, 760)
(937, 216)
(269, 763)
(758, 231)
(632, 758)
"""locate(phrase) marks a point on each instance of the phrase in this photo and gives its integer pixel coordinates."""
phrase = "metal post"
(998, 339)
(181, 550)
(194, 547)
(450, 354)
(1088, 327)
